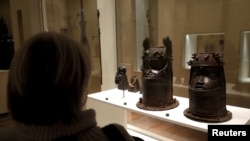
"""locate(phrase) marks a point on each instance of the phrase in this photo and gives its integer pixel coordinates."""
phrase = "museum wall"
(25, 19)
(108, 42)
(229, 16)
(176, 18)
(126, 41)
(205, 17)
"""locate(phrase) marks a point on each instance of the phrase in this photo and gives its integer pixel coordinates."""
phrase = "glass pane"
(80, 20)
(245, 58)
(202, 43)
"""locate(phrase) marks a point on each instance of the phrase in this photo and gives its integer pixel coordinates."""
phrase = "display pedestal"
(117, 106)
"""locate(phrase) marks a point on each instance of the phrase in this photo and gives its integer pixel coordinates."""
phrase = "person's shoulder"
(116, 132)
(120, 128)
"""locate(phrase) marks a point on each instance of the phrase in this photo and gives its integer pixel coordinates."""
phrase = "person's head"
(48, 79)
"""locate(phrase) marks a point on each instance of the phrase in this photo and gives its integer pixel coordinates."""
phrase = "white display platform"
(127, 100)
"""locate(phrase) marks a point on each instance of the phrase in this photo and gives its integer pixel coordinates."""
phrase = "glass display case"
(214, 26)
(195, 26)
(202, 43)
(80, 20)
(244, 63)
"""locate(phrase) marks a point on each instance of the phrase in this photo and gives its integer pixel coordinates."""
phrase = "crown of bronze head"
(206, 59)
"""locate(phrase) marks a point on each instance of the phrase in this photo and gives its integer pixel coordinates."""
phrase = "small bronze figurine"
(134, 85)
(121, 78)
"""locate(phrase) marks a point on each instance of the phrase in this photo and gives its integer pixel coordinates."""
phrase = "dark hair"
(48, 79)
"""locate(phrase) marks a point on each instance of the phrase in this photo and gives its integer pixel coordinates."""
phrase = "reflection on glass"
(142, 27)
(202, 43)
(244, 76)
(78, 19)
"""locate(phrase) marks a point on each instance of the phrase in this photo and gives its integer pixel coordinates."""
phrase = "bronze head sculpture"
(207, 89)
(157, 77)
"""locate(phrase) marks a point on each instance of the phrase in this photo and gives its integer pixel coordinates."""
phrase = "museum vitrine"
(193, 26)
(80, 20)
(215, 26)
(244, 64)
